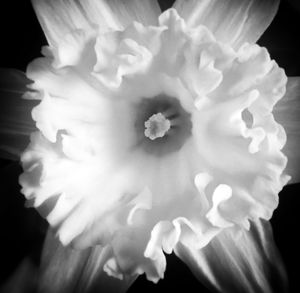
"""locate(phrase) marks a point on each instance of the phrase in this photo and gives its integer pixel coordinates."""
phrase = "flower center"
(157, 126)
(162, 125)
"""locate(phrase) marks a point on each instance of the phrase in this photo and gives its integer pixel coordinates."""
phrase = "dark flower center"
(162, 125)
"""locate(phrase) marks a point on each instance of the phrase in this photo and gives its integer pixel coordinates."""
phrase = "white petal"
(287, 113)
(58, 18)
(232, 21)
(238, 261)
(66, 270)
(16, 123)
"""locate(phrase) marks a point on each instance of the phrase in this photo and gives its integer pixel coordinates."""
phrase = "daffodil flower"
(157, 133)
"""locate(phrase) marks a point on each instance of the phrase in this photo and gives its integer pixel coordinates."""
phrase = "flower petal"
(16, 123)
(59, 18)
(287, 113)
(238, 261)
(234, 21)
(64, 269)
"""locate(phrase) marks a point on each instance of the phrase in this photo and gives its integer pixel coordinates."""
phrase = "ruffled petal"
(66, 270)
(238, 261)
(233, 22)
(59, 18)
(16, 123)
(287, 113)
(251, 157)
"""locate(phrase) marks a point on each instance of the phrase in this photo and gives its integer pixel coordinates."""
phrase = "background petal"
(60, 17)
(66, 270)
(233, 21)
(238, 261)
(23, 280)
(287, 113)
(16, 123)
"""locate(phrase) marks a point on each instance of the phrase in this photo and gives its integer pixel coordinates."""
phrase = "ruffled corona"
(150, 136)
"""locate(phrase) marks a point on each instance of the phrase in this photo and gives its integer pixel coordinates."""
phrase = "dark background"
(22, 230)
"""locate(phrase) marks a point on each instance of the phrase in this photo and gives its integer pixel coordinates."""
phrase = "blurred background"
(23, 230)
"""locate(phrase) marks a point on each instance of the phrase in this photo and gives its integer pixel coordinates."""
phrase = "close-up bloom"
(153, 132)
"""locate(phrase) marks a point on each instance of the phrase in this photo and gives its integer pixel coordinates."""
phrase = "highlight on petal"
(233, 22)
(16, 123)
(65, 270)
(287, 113)
(237, 260)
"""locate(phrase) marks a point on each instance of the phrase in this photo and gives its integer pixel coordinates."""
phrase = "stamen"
(157, 126)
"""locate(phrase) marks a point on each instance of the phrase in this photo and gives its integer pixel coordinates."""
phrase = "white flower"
(156, 134)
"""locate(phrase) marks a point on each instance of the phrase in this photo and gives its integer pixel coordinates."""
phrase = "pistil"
(157, 126)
